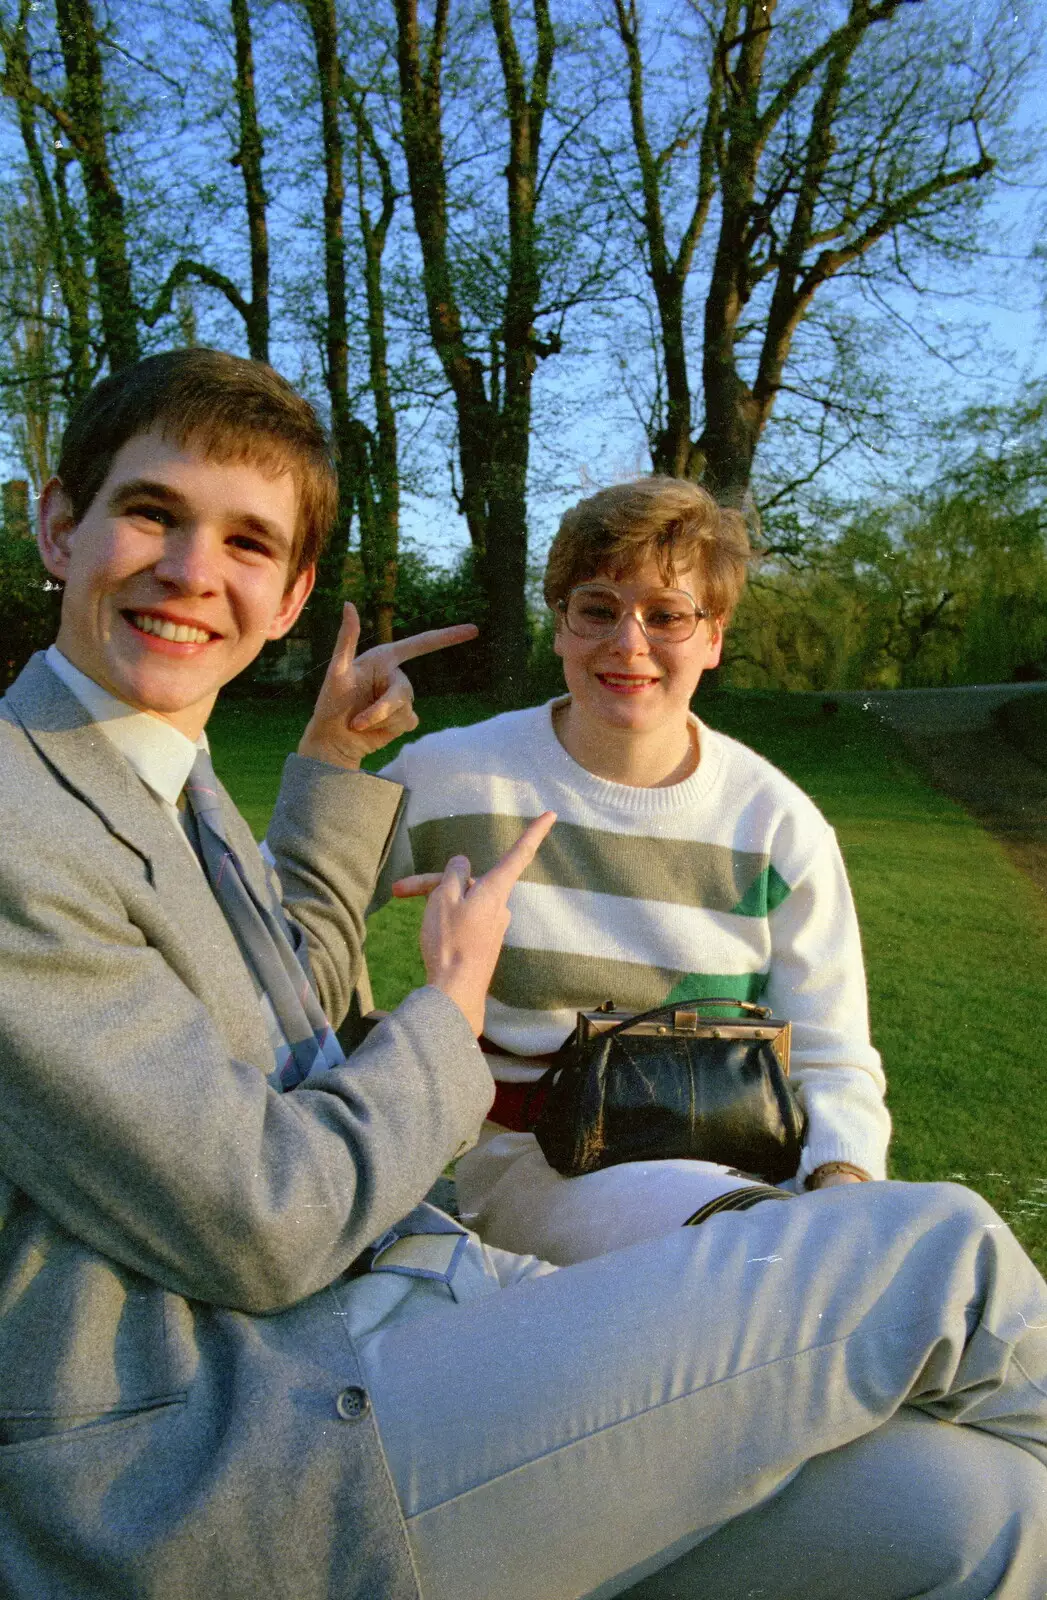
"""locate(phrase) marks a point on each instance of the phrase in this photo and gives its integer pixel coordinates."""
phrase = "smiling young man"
(237, 1358)
(176, 574)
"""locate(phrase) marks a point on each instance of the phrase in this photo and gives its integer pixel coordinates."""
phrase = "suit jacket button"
(352, 1403)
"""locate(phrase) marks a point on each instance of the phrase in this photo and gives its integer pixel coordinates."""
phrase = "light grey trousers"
(840, 1398)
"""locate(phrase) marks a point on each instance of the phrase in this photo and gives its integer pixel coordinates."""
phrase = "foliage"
(31, 351)
(29, 603)
(945, 586)
(430, 596)
(948, 591)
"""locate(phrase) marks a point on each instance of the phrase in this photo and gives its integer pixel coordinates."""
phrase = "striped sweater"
(729, 883)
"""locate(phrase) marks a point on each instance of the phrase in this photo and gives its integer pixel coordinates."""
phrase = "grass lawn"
(955, 939)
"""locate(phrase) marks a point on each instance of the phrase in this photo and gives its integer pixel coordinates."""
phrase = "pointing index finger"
(347, 641)
(423, 644)
(519, 856)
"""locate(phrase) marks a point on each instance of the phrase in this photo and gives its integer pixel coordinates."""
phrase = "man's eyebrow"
(271, 531)
(133, 488)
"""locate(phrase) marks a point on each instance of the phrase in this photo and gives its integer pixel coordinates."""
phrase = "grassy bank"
(955, 940)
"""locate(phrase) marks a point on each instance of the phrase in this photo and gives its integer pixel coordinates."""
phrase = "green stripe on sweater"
(675, 871)
(764, 894)
(552, 980)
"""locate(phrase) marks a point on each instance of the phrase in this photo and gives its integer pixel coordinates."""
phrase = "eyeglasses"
(595, 611)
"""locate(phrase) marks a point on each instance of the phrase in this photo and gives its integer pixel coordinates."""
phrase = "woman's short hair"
(675, 522)
(228, 408)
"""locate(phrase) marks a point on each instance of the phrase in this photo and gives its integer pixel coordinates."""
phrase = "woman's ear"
(54, 528)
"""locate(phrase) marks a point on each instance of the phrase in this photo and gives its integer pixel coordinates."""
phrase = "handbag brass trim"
(687, 1020)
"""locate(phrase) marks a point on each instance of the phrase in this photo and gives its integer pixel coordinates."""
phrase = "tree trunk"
(61, 225)
(326, 603)
(85, 102)
(493, 424)
(672, 449)
(75, 286)
(378, 487)
(248, 158)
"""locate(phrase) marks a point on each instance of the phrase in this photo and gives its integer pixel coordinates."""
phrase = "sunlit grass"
(955, 939)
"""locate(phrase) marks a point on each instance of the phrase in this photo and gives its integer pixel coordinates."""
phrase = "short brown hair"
(677, 523)
(229, 408)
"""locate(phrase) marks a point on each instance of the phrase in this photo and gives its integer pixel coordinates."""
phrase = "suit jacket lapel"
(75, 748)
(87, 763)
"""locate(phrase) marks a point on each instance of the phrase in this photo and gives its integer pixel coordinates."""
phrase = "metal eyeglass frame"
(701, 614)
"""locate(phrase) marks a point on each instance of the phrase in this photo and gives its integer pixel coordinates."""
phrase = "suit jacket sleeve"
(399, 860)
(325, 887)
(134, 1108)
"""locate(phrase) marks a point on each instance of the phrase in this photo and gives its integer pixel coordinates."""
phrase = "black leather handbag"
(645, 1086)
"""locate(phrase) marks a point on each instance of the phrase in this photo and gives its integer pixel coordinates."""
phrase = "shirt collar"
(161, 756)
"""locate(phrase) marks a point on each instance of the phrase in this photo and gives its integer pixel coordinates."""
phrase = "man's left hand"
(365, 703)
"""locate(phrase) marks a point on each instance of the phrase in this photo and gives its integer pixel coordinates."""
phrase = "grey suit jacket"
(174, 1235)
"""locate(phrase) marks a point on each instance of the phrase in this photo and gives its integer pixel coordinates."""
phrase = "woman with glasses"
(682, 866)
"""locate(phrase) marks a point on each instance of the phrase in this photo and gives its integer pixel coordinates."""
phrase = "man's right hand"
(465, 922)
(366, 701)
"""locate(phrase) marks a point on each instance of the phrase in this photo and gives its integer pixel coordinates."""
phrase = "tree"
(82, 119)
(249, 157)
(34, 365)
(492, 392)
(368, 467)
(51, 222)
(93, 258)
(829, 143)
(947, 584)
(56, 327)
(377, 479)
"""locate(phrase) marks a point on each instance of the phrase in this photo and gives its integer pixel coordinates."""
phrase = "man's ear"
(715, 642)
(55, 526)
(558, 635)
(292, 603)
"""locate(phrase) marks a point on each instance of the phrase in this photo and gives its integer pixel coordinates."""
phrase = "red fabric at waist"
(516, 1105)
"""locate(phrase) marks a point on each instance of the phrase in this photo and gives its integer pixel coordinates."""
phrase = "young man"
(226, 1369)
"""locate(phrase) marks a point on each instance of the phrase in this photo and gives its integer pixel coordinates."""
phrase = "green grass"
(955, 945)
(955, 939)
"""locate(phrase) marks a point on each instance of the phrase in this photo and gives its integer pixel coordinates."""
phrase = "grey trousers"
(841, 1398)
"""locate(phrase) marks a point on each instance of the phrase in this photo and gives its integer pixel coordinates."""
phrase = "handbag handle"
(683, 1005)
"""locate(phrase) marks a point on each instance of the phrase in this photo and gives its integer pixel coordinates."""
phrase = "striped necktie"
(303, 1040)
